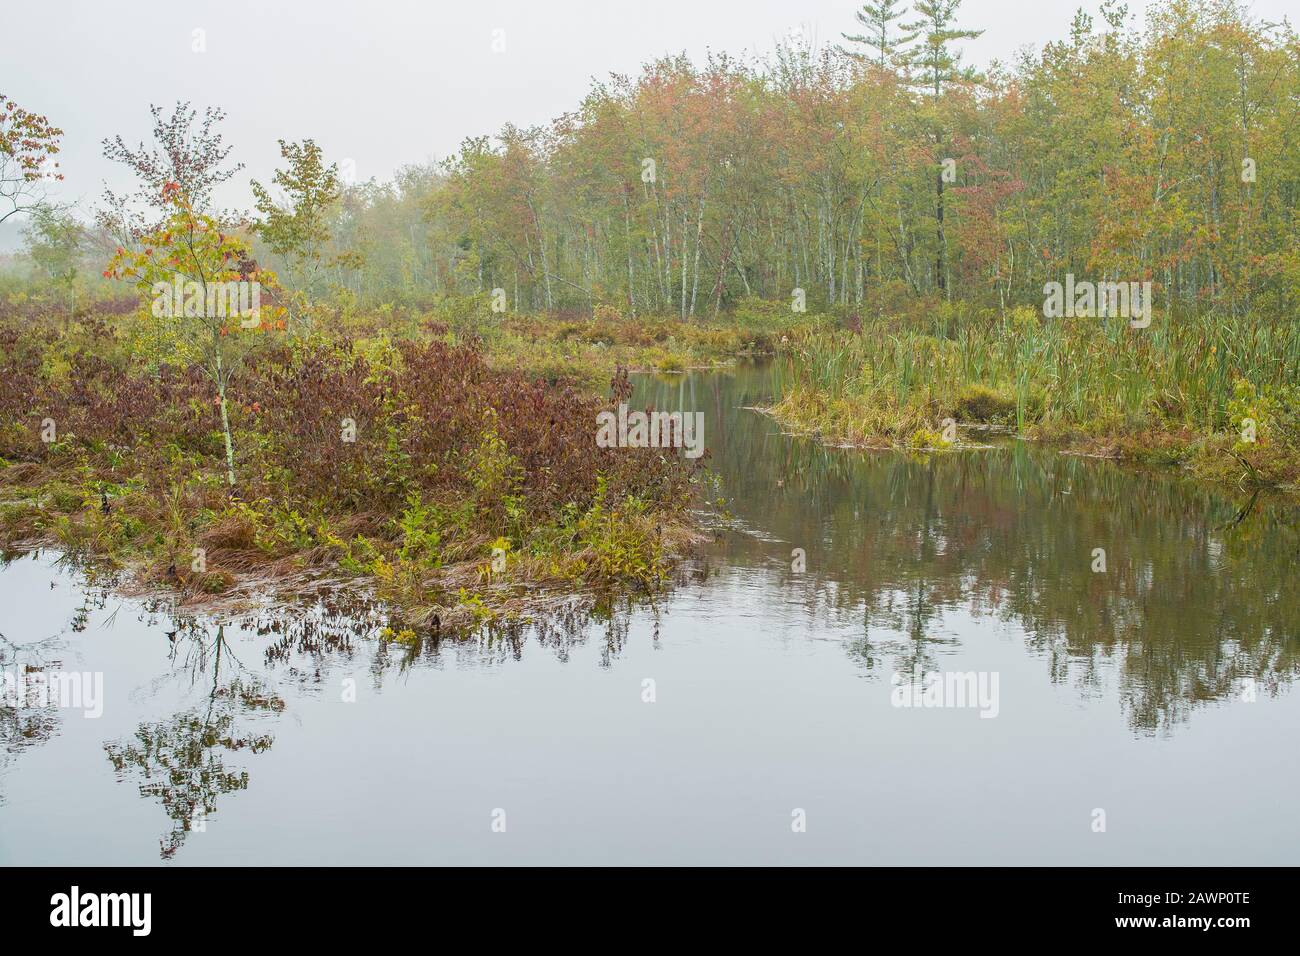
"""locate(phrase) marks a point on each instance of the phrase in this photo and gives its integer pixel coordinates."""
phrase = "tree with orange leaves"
(199, 281)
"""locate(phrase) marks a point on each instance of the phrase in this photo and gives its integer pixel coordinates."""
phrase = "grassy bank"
(587, 348)
(581, 348)
(445, 457)
(1213, 393)
(409, 464)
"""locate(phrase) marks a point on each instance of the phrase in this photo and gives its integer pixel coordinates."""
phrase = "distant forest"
(873, 173)
(877, 169)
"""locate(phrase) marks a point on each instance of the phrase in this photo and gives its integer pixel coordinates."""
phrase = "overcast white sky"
(390, 82)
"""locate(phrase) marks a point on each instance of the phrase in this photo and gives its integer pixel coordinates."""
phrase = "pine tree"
(876, 18)
(939, 65)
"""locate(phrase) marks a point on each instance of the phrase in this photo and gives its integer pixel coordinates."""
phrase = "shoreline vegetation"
(456, 492)
(1206, 394)
(1211, 395)
(473, 490)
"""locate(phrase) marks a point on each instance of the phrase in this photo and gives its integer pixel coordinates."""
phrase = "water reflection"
(186, 761)
(1196, 603)
(22, 724)
(27, 719)
(902, 553)
(189, 760)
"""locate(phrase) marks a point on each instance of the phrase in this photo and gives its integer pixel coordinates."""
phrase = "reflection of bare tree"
(182, 760)
(23, 724)
(28, 722)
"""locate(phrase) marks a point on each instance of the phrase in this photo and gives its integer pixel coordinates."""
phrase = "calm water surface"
(1159, 691)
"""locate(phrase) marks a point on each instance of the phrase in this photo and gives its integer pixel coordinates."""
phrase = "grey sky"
(386, 82)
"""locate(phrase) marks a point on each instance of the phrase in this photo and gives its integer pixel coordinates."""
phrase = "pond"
(1002, 656)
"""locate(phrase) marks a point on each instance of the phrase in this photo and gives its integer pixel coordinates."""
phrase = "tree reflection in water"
(25, 724)
(30, 722)
(1197, 604)
(182, 761)
(188, 761)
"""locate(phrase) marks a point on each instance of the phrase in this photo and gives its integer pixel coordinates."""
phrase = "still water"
(1154, 698)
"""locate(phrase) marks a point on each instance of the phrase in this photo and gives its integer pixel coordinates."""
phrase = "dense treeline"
(1112, 154)
(874, 173)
